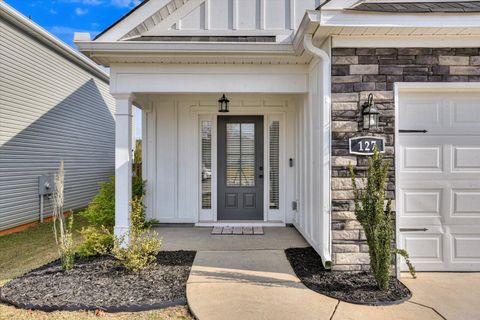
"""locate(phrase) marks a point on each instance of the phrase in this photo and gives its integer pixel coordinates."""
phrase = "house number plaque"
(366, 145)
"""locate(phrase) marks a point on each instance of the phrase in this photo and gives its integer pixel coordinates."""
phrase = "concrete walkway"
(260, 284)
(257, 284)
(249, 277)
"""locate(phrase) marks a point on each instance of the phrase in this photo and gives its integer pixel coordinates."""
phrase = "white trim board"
(278, 112)
(246, 223)
(444, 41)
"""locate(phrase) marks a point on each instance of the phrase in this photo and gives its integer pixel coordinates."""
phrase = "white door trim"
(207, 217)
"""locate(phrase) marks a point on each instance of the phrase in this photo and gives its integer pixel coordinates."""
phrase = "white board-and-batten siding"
(51, 109)
(225, 17)
(171, 149)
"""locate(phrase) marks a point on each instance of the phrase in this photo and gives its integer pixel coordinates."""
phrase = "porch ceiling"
(174, 52)
(107, 59)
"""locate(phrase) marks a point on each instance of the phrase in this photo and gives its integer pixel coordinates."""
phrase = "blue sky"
(64, 17)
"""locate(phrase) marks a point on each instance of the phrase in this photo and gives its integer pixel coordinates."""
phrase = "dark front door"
(240, 168)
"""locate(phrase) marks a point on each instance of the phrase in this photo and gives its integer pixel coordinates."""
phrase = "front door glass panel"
(240, 154)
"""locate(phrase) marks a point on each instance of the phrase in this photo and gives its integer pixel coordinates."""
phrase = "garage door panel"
(424, 202)
(422, 113)
(465, 247)
(424, 247)
(464, 114)
(439, 180)
(418, 158)
(466, 159)
(466, 203)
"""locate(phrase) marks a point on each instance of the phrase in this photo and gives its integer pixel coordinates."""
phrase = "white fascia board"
(186, 47)
(37, 32)
(411, 41)
(346, 18)
(131, 21)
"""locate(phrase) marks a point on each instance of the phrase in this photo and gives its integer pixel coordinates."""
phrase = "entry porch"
(264, 163)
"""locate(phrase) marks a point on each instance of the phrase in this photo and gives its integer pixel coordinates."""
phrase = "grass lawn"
(23, 251)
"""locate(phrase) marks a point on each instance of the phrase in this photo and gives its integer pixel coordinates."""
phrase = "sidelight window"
(274, 146)
(206, 132)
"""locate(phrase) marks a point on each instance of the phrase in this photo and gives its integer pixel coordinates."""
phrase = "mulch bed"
(99, 283)
(353, 287)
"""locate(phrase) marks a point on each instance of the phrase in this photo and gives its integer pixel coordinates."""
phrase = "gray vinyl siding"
(51, 109)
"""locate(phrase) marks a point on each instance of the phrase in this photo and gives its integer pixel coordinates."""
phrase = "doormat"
(237, 230)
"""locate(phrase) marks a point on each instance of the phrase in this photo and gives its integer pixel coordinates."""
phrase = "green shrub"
(97, 241)
(141, 250)
(375, 219)
(150, 223)
(404, 254)
(137, 215)
(101, 210)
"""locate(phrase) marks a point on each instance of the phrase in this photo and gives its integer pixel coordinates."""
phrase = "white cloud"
(80, 11)
(53, 11)
(125, 3)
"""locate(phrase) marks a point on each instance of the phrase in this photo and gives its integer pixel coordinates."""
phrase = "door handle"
(412, 229)
(412, 131)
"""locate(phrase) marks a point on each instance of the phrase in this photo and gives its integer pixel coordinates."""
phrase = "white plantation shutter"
(274, 133)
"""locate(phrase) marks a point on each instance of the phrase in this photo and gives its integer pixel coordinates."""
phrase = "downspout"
(326, 245)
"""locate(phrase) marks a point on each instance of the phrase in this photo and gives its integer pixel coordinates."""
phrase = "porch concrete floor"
(200, 239)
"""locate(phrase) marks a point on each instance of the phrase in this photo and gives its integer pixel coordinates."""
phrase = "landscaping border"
(315, 267)
(82, 307)
(19, 300)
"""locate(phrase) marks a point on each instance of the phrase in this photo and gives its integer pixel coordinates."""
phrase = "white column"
(123, 163)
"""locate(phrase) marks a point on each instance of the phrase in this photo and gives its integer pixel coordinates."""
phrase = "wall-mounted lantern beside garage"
(223, 104)
(370, 114)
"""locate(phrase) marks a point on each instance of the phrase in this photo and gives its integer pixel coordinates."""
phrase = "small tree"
(376, 219)
(63, 234)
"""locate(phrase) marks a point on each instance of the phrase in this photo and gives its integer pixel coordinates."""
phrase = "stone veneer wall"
(356, 72)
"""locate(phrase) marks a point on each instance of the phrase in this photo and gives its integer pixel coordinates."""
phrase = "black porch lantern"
(223, 104)
(370, 114)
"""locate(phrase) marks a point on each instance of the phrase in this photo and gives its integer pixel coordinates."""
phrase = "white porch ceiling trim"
(275, 79)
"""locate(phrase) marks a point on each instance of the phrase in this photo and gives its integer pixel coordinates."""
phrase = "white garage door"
(439, 180)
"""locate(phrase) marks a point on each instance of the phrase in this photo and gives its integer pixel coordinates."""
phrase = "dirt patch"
(99, 283)
(353, 287)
